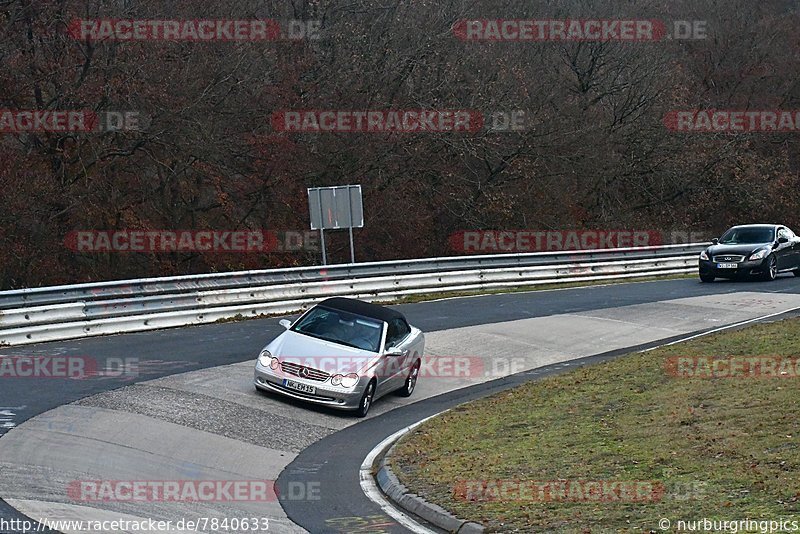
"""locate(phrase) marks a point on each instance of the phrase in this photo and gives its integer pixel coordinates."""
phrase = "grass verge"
(721, 448)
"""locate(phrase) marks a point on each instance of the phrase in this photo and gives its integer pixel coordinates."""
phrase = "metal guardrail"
(65, 312)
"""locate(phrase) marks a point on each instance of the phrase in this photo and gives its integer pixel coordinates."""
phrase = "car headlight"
(704, 255)
(264, 358)
(350, 380)
(346, 381)
(759, 254)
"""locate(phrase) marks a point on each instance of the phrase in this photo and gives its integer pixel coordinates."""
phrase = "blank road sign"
(334, 208)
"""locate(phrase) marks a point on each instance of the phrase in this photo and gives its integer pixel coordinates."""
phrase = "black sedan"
(761, 250)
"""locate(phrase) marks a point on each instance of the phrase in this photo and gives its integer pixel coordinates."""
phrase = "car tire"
(707, 278)
(771, 270)
(411, 381)
(796, 273)
(366, 400)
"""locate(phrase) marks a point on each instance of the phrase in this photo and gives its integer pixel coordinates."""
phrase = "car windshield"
(741, 236)
(342, 327)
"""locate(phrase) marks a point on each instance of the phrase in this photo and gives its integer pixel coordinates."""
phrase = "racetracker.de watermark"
(79, 121)
(488, 241)
(733, 121)
(578, 30)
(465, 367)
(72, 367)
(202, 491)
(377, 121)
(172, 490)
(171, 241)
(193, 30)
(167, 241)
(732, 367)
(38, 366)
(543, 491)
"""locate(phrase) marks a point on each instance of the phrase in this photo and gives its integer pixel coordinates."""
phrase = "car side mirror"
(715, 241)
(394, 351)
(286, 323)
(783, 240)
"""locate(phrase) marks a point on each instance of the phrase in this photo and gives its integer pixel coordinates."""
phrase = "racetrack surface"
(194, 387)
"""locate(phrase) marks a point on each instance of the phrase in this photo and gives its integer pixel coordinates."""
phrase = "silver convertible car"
(342, 353)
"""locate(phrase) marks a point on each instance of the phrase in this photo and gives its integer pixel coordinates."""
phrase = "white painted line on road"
(721, 328)
(371, 489)
(8, 415)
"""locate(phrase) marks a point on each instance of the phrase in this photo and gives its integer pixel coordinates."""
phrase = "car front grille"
(313, 374)
(728, 259)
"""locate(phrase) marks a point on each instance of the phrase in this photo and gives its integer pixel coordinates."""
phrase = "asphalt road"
(342, 506)
(168, 352)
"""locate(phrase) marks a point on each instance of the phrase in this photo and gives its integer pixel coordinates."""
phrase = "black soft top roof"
(362, 308)
(757, 226)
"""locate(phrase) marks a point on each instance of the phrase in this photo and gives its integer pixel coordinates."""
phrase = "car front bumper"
(743, 269)
(265, 379)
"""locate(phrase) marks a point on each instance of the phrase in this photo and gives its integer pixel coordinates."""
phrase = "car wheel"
(366, 400)
(706, 278)
(771, 270)
(796, 273)
(411, 381)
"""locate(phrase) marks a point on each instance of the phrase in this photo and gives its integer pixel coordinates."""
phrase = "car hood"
(740, 250)
(318, 354)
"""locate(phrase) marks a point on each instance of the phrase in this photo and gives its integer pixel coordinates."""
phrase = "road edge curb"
(400, 496)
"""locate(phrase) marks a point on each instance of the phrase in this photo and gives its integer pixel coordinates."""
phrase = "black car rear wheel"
(771, 268)
(411, 381)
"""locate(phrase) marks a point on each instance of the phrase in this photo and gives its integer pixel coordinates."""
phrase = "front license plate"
(291, 384)
(727, 265)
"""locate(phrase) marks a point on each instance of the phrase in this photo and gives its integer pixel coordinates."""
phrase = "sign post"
(335, 208)
(321, 230)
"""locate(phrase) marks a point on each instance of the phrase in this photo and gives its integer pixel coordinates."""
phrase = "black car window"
(398, 329)
(742, 236)
(391, 334)
(403, 328)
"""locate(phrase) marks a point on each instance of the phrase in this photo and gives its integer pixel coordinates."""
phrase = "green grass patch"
(723, 448)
